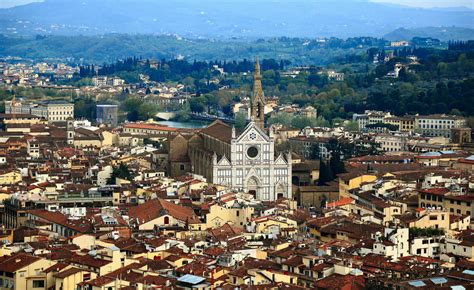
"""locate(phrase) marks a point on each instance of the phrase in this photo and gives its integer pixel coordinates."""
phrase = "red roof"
(466, 160)
(81, 226)
(155, 208)
(341, 202)
(16, 262)
(89, 261)
(435, 191)
(337, 281)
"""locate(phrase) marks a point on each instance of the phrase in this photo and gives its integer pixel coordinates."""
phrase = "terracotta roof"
(98, 282)
(294, 261)
(68, 272)
(341, 202)
(219, 130)
(56, 267)
(213, 251)
(224, 232)
(155, 208)
(337, 281)
(81, 226)
(87, 260)
(155, 280)
(435, 191)
(240, 272)
(126, 273)
(465, 197)
(16, 262)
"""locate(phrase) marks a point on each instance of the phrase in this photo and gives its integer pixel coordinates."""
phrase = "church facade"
(253, 166)
(244, 160)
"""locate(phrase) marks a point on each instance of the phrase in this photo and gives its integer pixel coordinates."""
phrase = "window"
(181, 167)
(38, 283)
(252, 152)
(166, 220)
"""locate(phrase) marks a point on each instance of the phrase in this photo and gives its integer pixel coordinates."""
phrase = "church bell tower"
(257, 102)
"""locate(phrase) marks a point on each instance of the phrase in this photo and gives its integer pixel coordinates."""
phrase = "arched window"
(167, 220)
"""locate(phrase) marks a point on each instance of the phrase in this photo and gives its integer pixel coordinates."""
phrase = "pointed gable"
(224, 161)
(280, 160)
(253, 133)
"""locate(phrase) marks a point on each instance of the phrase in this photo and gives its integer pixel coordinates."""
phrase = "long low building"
(148, 129)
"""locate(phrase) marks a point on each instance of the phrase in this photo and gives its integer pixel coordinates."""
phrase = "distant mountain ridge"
(224, 18)
(441, 33)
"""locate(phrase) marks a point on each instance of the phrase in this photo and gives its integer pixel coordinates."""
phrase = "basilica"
(243, 160)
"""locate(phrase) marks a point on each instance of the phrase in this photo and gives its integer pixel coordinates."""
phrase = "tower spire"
(257, 101)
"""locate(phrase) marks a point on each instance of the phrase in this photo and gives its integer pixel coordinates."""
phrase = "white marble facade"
(253, 166)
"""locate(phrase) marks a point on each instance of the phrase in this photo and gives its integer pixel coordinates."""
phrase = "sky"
(431, 3)
(413, 3)
(12, 3)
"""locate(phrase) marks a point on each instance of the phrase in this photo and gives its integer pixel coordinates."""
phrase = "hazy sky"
(431, 3)
(11, 3)
(416, 3)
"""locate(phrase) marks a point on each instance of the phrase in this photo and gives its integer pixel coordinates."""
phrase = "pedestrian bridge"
(165, 115)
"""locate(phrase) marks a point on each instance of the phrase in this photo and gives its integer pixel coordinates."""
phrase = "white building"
(391, 143)
(393, 243)
(252, 166)
(370, 118)
(438, 125)
(53, 111)
(246, 161)
(102, 81)
(429, 247)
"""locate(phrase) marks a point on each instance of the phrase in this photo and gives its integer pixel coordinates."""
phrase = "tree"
(317, 80)
(325, 173)
(131, 105)
(351, 126)
(147, 111)
(122, 171)
(336, 164)
(282, 118)
(85, 108)
(197, 104)
(240, 121)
